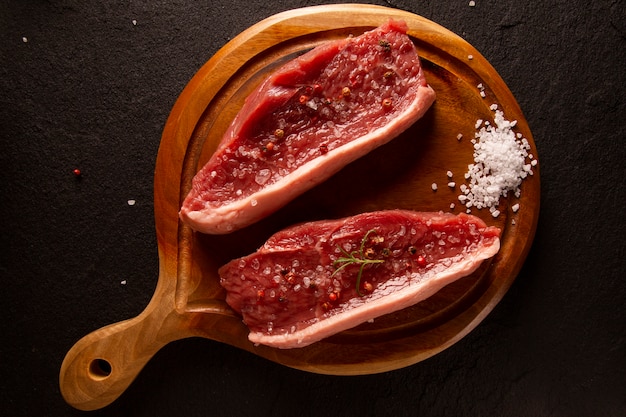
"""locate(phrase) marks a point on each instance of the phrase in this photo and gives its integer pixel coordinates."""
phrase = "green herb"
(356, 258)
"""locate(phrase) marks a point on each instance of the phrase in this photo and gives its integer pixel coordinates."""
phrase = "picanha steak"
(316, 279)
(305, 122)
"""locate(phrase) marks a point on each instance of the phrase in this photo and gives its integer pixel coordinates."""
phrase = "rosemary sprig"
(356, 258)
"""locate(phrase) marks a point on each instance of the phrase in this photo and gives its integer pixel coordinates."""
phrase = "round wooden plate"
(189, 301)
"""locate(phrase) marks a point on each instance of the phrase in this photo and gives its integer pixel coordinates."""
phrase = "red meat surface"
(297, 288)
(308, 120)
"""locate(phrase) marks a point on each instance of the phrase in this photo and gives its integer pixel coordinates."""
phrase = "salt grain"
(434, 186)
(470, 57)
(262, 176)
(472, 3)
(131, 202)
(134, 22)
(24, 39)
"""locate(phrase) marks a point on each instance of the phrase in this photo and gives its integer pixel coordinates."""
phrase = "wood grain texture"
(189, 301)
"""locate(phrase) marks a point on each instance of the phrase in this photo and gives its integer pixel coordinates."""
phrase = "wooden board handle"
(101, 365)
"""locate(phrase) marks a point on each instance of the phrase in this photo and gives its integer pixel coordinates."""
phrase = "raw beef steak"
(316, 279)
(308, 120)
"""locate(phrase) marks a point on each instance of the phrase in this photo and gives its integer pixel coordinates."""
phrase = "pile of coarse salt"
(501, 163)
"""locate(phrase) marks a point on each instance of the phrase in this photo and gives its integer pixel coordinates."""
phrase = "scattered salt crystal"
(515, 207)
(495, 213)
(134, 22)
(131, 202)
(482, 94)
(459, 136)
(262, 176)
(472, 3)
(470, 57)
(434, 186)
(452, 184)
(449, 174)
(452, 205)
(253, 202)
(513, 222)
(478, 123)
(123, 282)
(24, 39)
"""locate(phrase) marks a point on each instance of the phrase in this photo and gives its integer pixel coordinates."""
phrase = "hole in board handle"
(99, 369)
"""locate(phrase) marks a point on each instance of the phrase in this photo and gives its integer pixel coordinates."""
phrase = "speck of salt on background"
(131, 202)
(24, 39)
(134, 22)
(472, 3)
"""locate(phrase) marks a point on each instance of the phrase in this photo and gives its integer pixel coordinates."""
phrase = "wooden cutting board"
(188, 300)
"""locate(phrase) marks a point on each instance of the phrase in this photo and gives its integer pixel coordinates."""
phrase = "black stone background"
(91, 90)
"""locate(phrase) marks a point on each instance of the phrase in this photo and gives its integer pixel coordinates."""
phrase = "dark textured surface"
(90, 90)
